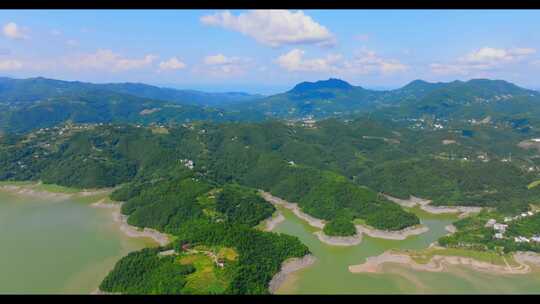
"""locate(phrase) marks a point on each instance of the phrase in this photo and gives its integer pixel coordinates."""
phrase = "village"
(500, 228)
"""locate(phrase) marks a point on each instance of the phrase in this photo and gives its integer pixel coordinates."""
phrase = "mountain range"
(31, 103)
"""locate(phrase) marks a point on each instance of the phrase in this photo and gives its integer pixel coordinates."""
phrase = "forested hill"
(295, 161)
(40, 103)
(27, 104)
(198, 181)
(16, 91)
(458, 100)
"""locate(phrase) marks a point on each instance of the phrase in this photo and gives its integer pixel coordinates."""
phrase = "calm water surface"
(62, 246)
(330, 275)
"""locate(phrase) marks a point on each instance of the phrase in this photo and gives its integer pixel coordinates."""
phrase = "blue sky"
(270, 51)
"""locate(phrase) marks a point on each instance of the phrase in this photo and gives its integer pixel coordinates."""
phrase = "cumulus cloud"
(294, 61)
(274, 27)
(12, 31)
(363, 63)
(10, 65)
(218, 59)
(221, 65)
(367, 61)
(172, 64)
(108, 60)
(483, 59)
(490, 55)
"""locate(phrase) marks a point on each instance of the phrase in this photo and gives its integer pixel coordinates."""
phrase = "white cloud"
(482, 60)
(274, 27)
(221, 65)
(172, 64)
(108, 60)
(367, 61)
(487, 54)
(218, 59)
(363, 63)
(294, 61)
(13, 31)
(10, 65)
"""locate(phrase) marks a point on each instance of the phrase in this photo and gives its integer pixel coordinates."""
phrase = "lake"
(330, 274)
(58, 246)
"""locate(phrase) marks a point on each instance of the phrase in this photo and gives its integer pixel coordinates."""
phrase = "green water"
(52, 246)
(330, 275)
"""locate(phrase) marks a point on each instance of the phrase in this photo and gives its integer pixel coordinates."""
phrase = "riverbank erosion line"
(343, 240)
(132, 231)
(287, 267)
(439, 263)
(425, 205)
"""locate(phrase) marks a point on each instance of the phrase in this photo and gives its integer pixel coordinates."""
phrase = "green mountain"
(15, 91)
(473, 99)
(27, 104)
(332, 97)
(191, 97)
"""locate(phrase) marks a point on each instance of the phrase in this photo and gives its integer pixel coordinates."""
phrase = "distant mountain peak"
(418, 84)
(331, 83)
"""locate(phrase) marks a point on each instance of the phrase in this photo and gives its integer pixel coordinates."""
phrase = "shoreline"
(132, 231)
(346, 240)
(339, 240)
(451, 229)
(274, 200)
(439, 263)
(29, 190)
(425, 205)
(272, 222)
(392, 235)
(287, 267)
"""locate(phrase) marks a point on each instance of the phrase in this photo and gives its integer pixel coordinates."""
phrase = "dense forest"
(198, 181)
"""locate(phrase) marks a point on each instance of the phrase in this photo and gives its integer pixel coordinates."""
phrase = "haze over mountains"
(39, 102)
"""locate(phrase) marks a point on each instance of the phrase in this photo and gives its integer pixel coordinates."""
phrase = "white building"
(521, 239)
(536, 238)
(491, 222)
(498, 235)
(500, 227)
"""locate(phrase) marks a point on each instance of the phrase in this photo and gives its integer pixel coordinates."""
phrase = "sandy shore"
(287, 267)
(343, 241)
(392, 235)
(440, 263)
(315, 222)
(161, 238)
(339, 240)
(375, 233)
(271, 223)
(27, 190)
(30, 190)
(451, 229)
(426, 206)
